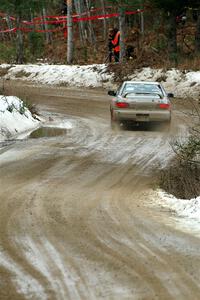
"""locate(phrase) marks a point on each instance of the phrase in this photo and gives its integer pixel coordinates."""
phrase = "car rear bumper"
(142, 116)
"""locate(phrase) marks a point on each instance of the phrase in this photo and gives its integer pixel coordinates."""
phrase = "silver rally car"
(140, 102)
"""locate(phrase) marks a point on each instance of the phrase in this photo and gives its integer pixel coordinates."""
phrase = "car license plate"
(142, 117)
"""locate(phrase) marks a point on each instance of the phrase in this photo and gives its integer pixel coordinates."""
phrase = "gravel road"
(74, 216)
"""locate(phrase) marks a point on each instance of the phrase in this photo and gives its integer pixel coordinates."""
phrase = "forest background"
(159, 33)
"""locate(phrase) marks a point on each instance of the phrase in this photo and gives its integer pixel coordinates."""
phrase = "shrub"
(7, 53)
(10, 108)
(30, 106)
(36, 43)
(22, 109)
(182, 177)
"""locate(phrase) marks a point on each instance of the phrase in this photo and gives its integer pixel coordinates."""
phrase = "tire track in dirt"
(73, 215)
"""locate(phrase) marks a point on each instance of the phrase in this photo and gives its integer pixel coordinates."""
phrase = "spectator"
(110, 45)
(116, 44)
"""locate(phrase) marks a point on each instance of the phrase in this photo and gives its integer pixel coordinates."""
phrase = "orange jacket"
(115, 42)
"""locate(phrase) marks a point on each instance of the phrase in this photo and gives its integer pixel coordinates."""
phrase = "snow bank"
(183, 208)
(14, 117)
(182, 83)
(87, 76)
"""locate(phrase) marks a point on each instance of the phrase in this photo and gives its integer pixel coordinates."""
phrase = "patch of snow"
(183, 208)
(24, 282)
(184, 215)
(6, 101)
(14, 117)
(47, 260)
(87, 76)
(181, 83)
(5, 66)
(60, 124)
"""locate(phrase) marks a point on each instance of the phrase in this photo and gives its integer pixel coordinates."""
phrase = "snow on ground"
(185, 212)
(82, 76)
(181, 83)
(183, 208)
(24, 282)
(14, 117)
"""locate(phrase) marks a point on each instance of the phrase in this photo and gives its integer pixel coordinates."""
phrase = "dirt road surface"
(74, 216)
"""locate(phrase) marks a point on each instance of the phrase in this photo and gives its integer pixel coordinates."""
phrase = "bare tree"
(104, 20)
(46, 27)
(90, 26)
(122, 34)
(19, 43)
(197, 37)
(79, 10)
(69, 32)
(9, 24)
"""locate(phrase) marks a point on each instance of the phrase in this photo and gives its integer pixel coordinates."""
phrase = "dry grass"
(190, 63)
(181, 179)
(4, 71)
(22, 74)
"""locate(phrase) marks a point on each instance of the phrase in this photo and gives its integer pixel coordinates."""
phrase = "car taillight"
(164, 105)
(122, 104)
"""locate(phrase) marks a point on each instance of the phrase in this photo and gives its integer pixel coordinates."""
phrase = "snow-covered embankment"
(183, 83)
(15, 118)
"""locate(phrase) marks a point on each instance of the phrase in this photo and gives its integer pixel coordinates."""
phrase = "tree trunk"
(197, 37)
(31, 16)
(9, 24)
(81, 24)
(172, 36)
(91, 30)
(104, 20)
(122, 34)
(2, 34)
(69, 32)
(142, 23)
(46, 27)
(19, 43)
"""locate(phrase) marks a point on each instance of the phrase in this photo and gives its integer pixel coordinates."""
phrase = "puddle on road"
(47, 132)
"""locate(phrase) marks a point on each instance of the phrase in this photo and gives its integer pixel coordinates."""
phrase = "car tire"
(114, 123)
(167, 126)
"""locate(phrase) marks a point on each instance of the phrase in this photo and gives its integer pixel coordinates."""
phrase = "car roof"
(146, 82)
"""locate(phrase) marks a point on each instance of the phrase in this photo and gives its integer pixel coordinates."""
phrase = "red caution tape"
(75, 15)
(63, 20)
(8, 30)
(106, 16)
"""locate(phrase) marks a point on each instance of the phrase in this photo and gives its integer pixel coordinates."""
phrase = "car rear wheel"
(166, 126)
(114, 123)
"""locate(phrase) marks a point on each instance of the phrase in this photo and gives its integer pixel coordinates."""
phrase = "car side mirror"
(170, 95)
(112, 93)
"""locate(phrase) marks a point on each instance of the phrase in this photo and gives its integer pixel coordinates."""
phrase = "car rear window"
(142, 88)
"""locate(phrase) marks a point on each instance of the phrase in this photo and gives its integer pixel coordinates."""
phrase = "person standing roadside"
(116, 44)
(110, 45)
